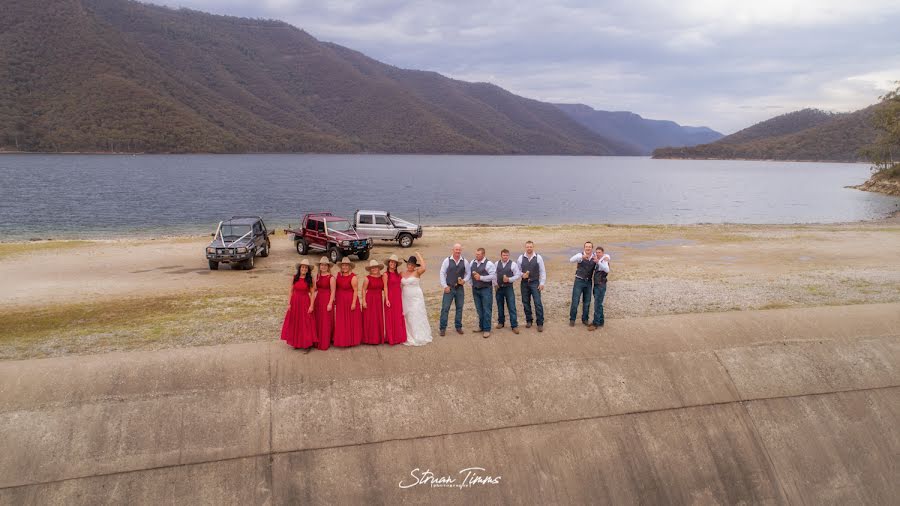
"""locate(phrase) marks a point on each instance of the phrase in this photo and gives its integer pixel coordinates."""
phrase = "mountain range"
(808, 135)
(641, 134)
(120, 75)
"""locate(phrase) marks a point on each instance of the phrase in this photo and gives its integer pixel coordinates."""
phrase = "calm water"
(97, 196)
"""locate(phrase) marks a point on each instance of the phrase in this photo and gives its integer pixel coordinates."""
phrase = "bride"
(418, 329)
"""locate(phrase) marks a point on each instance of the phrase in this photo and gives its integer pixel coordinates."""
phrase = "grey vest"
(504, 271)
(481, 269)
(532, 267)
(585, 269)
(455, 271)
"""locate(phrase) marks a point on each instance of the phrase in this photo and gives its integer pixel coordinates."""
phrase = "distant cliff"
(643, 134)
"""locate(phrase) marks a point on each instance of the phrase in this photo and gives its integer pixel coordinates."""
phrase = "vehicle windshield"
(231, 232)
(338, 225)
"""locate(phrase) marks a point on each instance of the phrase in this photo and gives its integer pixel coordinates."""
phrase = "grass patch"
(9, 249)
(131, 324)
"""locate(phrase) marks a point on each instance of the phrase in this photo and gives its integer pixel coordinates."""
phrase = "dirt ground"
(79, 297)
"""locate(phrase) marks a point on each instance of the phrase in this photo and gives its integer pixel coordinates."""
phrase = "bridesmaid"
(374, 291)
(394, 324)
(324, 304)
(299, 328)
(347, 317)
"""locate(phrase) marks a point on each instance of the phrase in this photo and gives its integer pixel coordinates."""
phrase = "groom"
(483, 273)
(454, 275)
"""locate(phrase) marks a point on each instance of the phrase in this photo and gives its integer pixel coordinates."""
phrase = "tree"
(885, 152)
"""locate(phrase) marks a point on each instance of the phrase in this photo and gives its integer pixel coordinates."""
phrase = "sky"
(723, 64)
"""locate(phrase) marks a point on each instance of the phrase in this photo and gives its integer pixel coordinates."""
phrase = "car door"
(365, 224)
(383, 229)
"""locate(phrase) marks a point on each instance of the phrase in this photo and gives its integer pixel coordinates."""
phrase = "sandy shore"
(65, 297)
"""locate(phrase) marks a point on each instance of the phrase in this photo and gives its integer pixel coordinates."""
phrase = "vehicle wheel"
(334, 255)
(265, 250)
(302, 247)
(363, 255)
(405, 240)
(248, 263)
(213, 265)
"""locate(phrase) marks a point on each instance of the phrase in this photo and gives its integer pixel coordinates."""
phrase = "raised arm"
(577, 258)
(421, 268)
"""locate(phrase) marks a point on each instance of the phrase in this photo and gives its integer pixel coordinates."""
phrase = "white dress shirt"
(446, 264)
(603, 265)
(540, 261)
(491, 270)
(516, 272)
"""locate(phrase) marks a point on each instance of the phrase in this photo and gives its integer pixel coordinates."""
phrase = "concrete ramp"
(783, 406)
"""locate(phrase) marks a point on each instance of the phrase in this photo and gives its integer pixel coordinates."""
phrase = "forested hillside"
(117, 75)
(809, 134)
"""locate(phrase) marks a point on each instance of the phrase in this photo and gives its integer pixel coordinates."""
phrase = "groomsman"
(534, 275)
(600, 274)
(482, 276)
(584, 276)
(454, 275)
(507, 273)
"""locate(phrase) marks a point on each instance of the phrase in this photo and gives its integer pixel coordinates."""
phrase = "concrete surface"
(781, 406)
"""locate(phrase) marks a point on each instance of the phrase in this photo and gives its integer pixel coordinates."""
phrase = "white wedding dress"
(418, 329)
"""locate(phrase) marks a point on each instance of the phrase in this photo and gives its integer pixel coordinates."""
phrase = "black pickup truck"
(238, 241)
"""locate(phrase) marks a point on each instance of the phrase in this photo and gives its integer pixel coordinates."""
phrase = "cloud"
(725, 64)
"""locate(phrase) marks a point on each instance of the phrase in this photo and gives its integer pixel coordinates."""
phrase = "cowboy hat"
(347, 261)
(373, 264)
(412, 260)
(395, 258)
(303, 262)
(324, 260)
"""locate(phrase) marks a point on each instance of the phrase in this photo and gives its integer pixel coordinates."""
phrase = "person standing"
(324, 303)
(418, 328)
(374, 291)
(600, 274)
(299, 327)
(347, 317)
(394, 324)
(534, 275)
(584, 273)
(482, 275)
(453, 277)
(507, 272)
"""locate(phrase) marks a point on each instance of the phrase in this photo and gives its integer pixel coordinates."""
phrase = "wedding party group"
(387, 306)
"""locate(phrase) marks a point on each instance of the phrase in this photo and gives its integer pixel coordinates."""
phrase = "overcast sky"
(719, 63)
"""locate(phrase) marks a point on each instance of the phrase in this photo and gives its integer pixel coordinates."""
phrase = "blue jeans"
(508, 295)
(581, 290)
(530, 291)
(484, 303)
(599, 295)
(457, 296)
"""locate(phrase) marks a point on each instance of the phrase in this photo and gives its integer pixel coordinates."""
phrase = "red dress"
(324, 317)
(299, 328)
(373, 314)
(347, 323)
(394, 324)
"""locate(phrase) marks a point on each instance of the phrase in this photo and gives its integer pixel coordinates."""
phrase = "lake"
(66, 196)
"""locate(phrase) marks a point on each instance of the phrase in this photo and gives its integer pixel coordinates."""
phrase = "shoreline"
(893, 217)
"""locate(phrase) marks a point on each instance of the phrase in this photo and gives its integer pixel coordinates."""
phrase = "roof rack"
(321, 213)
(246, 216)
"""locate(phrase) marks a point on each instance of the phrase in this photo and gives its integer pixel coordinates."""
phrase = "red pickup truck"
(332, 234)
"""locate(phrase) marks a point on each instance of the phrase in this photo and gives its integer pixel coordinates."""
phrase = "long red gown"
(299, 328)
(324, 317)
(347, 323)
(394, 324)
(373, 314)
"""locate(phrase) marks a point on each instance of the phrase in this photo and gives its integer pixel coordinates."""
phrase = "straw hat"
(374, 264)
(324, 260)
(394, 258)
(303, 262)
(347, 261)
